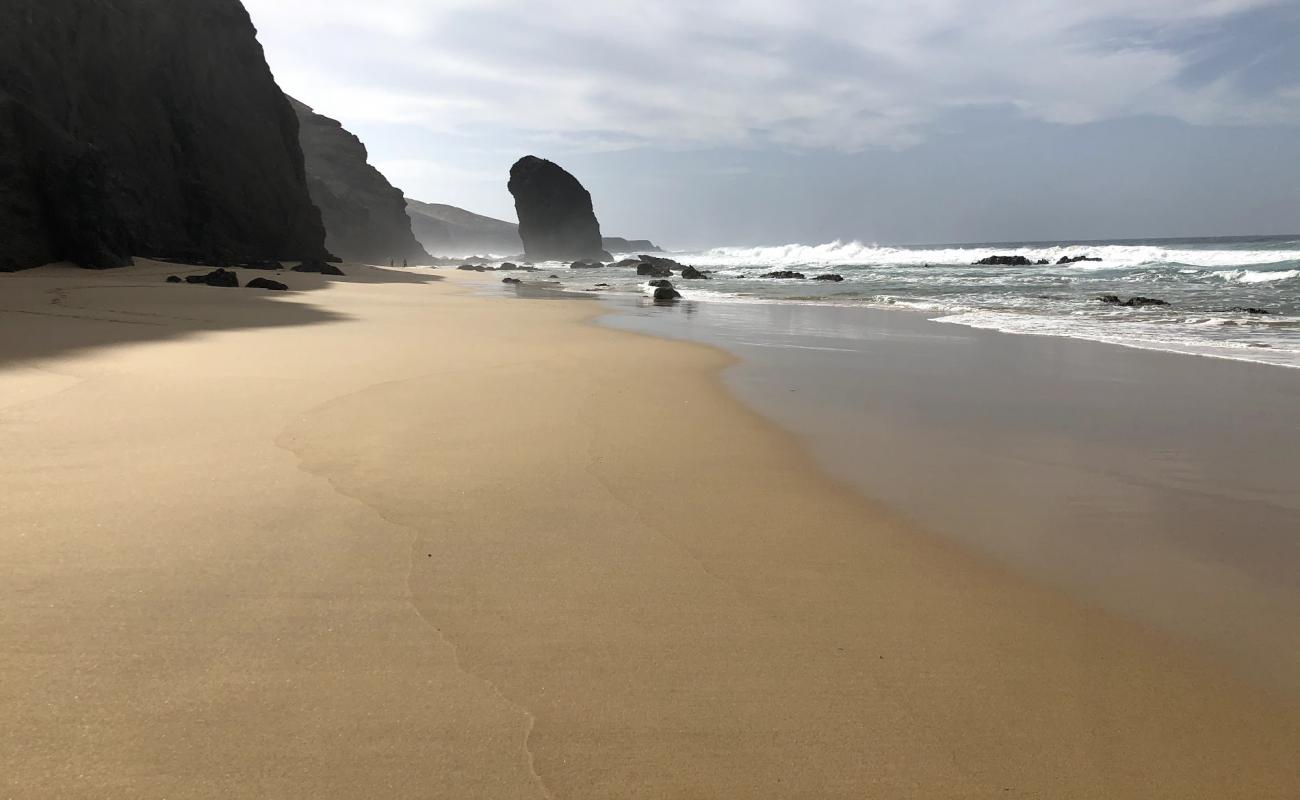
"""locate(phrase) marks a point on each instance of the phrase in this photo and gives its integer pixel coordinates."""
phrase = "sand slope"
(393, 539)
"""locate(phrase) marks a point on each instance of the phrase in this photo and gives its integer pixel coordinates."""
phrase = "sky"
(704, 123)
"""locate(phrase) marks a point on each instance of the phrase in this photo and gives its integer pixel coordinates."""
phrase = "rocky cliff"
(450, 231)
(556, 220)
(145, 127)
(365, 217)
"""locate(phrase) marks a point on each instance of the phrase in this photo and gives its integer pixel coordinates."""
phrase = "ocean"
(1207, 283)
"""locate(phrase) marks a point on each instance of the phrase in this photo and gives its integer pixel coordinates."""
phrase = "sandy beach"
(390, 536)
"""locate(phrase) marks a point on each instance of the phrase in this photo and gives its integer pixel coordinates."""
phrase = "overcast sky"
(706, 122)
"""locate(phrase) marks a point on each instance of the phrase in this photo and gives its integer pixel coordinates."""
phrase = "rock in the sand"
(554, 276)
(473, 267)
(661, 284)
(1076, 259)
(556, 220)
(602, 286)
(511, 280)
(258, 263)
(318, 266)
(831, 278)
(785, 274)
(266, 283)
(218, 277)
(1132, 302)
(508, 266)
(586, 263)
(693, 274)
(666, 293)
(174, 279)
(145, 128)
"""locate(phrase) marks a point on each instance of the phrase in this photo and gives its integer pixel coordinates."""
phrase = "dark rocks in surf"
(266, 283)
(1076, 259)
(666, 294)
(174, 279)
(556, 219)
(319, 267)
(661, 284)
(653, 270)
(830, 278)
(1004, 261)
(1132, 302)
(693, 274)
(218, 277)
(785, 274)
(511, 280)
(586, 263)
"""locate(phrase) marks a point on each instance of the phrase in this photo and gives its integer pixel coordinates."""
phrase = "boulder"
(266, 283)
(556, 220)
(511, 280)
(831, 278)
(257, 263)
(693, 274)
(786, 275)
(508, 266)
(1005, 261)
(666, 294)
(1076, 259)
(586, 263)
(218, 277)
(1132, 302)
(473, 267)
(318, 266)
(661, 284)
(174, 279)
(628, 262)
(653, 270)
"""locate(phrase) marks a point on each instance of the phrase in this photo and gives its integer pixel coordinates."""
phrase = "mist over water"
(1209, 285)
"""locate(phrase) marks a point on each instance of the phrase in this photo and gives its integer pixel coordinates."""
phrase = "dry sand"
(390, 538)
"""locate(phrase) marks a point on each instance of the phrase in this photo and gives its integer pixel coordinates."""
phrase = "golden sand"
(391, 538)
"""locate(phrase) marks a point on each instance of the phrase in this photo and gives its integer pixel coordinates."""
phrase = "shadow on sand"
(60, 309)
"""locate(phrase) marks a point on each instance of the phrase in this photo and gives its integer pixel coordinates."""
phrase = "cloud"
(812, 74)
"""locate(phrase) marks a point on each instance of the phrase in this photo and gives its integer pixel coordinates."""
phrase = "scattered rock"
(555, 276)
(260, 264)
(318, 266)
(1249, 310)
(654, 270)
(831, 278)
(1005, 261)
(174, 279)
(786, 274)
(266, 283)
(473, 267)
(662, 284)
(507, 266)
(628, 262)
(1077, 259)
(693, 274)
(586, 263)
(218, 277)
(602, 286)
(666, 294)
(511, 280)
(1132, 302)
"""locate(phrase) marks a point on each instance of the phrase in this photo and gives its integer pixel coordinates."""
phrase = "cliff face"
(450, 231)
(145, 127)
(556, 220)
(365, 217)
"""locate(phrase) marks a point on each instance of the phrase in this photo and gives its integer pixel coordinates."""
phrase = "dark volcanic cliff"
(145, 127)
(556, 220)
(365, 217)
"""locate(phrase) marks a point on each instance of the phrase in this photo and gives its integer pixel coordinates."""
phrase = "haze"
(760, 122)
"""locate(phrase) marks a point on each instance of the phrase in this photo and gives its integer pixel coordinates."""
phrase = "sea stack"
(139, 128)
(365, 217)
(556, 220)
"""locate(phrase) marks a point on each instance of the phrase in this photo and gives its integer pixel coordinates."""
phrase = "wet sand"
(1163, 487)
(392, 538)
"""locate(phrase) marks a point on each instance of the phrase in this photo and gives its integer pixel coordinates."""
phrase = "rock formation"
(142, 128)
(365, 217)
(556, 220)
(617, 244)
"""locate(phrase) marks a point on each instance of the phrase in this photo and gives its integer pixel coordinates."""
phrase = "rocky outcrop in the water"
(1009, 261)
(556, 220)
(1076, 259)
(365, 217)
(144, 128)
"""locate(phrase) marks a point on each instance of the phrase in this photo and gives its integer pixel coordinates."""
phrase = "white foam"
(1257, 276)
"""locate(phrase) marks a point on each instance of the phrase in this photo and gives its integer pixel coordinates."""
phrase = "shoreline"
(623, 581)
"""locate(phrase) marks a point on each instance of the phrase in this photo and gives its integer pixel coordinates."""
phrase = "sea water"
(1208, 284)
